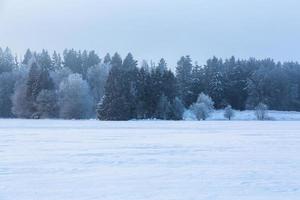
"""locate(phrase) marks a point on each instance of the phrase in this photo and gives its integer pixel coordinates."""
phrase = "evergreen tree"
(235, 83)
(21, 106)
(197, 82)
(114, 105)
(144, 95)
(215, 81)
(73, 61)
(27, 57)
(7, 83)
(107, 59)
(177, 109)
(96, 78)
(163, 110)
(184, 77)
(47, 104)
(7, 62)
(44, 60)
(38, 80)
(162, 66)
(56, 61)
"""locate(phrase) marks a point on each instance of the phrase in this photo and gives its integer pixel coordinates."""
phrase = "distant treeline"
(81, 85)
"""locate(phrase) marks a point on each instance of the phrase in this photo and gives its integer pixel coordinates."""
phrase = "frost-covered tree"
(56, 61)
(107, 59)
(75, 101)
(73, 61)
(47, 104)
(79, 62)
(235, 82)
(162, 66)
(7, 62)
(163, 110)
(229, 112)
(113, 105)
(178, 109)
(203, 107)
(197, 84)
(59, 75)
(21, 106)
(200, 110)
(38, 79)
(207, 100)
(269, 84)
(214, 75)
(261, 111)
(145, 66)
(7, 83)
(44, 60)
(96, 77)
(132, 92)
(27, 57)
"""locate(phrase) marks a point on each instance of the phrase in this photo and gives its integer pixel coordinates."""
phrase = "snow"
(149, 160)
(248, 115)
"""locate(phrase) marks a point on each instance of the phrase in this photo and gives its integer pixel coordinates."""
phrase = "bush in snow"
(203, 107)
(75, 101)
(261, 111)
(229, 112)
(201, 111)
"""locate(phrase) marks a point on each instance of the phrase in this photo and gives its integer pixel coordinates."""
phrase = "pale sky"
(151, 29)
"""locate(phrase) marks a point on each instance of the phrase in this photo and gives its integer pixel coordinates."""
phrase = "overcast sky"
(151, 29)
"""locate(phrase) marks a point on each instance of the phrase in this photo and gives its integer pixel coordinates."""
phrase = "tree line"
(82, 85)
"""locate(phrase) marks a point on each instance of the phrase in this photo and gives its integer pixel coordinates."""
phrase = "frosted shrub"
(203, 107)
(261, 111)
(229, 112)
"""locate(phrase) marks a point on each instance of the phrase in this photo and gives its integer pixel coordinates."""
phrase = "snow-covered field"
(149, 160)
(250, 115)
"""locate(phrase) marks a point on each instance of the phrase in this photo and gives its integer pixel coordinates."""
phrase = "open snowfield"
(250, 115)
(149, 160)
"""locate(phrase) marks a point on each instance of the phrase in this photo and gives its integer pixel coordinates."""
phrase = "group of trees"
(44, 86)
(78, 85)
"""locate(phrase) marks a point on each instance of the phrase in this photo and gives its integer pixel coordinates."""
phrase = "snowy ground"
(250, 115)
(149, 160)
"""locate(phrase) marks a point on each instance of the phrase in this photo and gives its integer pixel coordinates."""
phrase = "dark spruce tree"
(144, 95)
(197, 82)
(119, 102)
(215, 81)
(38, 80)
(56, 61)
(107, 59)
(27, 57)
(73, 61)
(184, 78)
